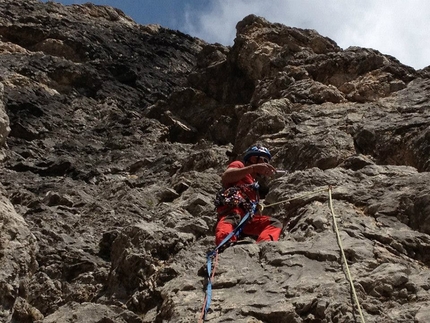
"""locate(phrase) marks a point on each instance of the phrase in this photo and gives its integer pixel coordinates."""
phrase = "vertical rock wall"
(118, 136)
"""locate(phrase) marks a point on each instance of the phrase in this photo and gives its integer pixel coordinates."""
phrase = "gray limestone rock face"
(4, 119)
(18, 251)
(114, 136)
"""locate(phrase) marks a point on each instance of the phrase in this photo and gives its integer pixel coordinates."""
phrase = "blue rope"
(236, 232)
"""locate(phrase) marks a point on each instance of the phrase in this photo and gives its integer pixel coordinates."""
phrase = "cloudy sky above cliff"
(398, 28)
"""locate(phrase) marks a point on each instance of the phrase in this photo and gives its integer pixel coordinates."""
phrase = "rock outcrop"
(114, 135)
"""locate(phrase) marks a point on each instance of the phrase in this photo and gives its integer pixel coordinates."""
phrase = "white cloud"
(398, 28)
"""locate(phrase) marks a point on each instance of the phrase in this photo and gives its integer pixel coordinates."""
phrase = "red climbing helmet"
(257, 151)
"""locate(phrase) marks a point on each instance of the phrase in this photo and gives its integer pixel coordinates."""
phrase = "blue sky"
(167, 13)
(398, 27)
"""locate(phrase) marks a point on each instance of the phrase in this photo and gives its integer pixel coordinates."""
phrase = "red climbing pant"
(264, 227)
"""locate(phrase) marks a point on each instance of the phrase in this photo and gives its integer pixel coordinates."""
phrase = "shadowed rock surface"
(114, 136)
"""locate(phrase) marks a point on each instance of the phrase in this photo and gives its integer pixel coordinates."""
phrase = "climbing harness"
(236, 196)
(238, 229)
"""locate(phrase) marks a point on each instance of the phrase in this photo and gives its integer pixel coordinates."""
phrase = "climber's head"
(262, 154)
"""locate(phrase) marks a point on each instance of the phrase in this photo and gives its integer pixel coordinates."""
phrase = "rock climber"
(240, 190)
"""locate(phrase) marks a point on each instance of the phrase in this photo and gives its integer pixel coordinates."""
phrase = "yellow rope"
(351, 282)
(344, 258)
(294, 198)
